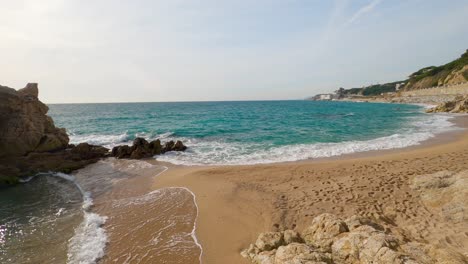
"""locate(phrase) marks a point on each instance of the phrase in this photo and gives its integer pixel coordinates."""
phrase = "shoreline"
(238, 202)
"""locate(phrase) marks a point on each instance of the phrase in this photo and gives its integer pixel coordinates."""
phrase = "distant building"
(323, 97)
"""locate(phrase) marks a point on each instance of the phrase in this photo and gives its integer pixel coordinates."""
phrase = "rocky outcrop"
(458, 105)
(330, 239)
(31, 143)
(144, 149)
(24, 124)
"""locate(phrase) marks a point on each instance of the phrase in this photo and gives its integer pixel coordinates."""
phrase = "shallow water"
(105, 213)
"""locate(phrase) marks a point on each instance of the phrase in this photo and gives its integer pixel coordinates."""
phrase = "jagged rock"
(366, 242)
(144, 149)
(265, 257)
(87, 151)
(25, 126)
(458, 105)
(156, 147)
(291, 236)
(300, 253)
(179, 146)
(169, 146)
(356, 221)
(269, 241)
(121, 152)
(323, 230)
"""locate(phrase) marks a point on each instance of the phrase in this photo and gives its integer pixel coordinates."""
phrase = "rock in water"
(31, 143)
(142, 149)
(24, 124)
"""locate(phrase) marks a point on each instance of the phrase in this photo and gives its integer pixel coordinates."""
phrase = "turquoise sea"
(252, 132)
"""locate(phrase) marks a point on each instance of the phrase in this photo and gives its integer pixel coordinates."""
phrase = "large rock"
(459, 105)
(144, 149)
(269, 241)
(330, 241)
(323, 230)
(300, 253)
(24, 124)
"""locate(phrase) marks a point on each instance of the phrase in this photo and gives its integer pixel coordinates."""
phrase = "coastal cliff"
(24, 124)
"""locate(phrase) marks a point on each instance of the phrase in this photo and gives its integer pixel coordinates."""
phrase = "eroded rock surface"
(144, 149)
(355, 240)
(458, 105)
(24, 124)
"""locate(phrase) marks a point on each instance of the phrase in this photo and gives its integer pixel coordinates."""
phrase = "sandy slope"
(236, 203)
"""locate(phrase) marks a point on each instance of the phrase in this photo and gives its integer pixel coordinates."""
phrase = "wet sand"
(236, 203)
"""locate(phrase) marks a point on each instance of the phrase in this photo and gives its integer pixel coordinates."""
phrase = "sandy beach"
(236, 203)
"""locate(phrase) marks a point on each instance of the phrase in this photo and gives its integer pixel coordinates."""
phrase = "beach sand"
(236, 203)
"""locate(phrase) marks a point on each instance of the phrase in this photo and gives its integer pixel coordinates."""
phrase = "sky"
(84, 51)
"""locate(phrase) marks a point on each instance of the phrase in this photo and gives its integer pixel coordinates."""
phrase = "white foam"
(228, 153)
(103, 140)
(88, 244)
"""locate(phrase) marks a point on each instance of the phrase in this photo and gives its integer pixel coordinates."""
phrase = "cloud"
(362, 11)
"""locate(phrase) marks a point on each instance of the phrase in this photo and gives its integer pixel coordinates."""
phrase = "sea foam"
(88, 244)
(203, 152)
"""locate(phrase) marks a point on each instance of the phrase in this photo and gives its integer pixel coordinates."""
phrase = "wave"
(110, 141)
(228, 153)
(89, 241)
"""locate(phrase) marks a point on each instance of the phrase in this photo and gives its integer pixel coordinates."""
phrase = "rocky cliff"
(24, 124)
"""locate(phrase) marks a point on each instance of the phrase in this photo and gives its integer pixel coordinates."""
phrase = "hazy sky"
(173, 50)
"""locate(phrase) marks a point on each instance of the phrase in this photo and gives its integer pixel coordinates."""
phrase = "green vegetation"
(375, 89)
(440, 72)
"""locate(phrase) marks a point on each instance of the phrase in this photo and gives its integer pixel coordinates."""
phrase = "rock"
(179, 146)
(156, 147)
(265, 257)
(269, 240)
(169, 146)
(121, 152)
(356, 221)
(365, 243)
(300, 253)
(323, 230)
(458, 105)
(25, 126)
(87, 151)
(291, 236)
(144, 149)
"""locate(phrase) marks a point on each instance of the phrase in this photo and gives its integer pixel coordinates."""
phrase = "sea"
(91, 216)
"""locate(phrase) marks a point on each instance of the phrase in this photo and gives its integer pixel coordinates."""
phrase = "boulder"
(300, 253)
(269, 241)
(321, 233)
(291, 236)
(141, 148)
(458, 105)
(169, 146)
(179, 146)
(87, 151)
(155, 146)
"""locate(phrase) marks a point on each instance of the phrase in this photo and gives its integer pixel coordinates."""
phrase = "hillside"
(451, 73)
